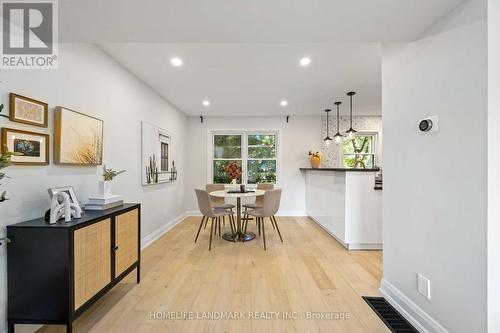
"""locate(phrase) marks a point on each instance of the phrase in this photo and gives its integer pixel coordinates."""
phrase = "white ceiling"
(247, 21)
(243, 55)
(252, 79)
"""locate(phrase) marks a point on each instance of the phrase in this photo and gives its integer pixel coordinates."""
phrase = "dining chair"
(270, 206)
(258, 200)
(208, 211)
(218, 203)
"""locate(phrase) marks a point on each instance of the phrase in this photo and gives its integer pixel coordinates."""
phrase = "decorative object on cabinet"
(78, 138)
(315, 159)
(55, 272)
(105, 184)
(28, 148)
(62, 206)
(28, 110)
(68, 190)
(157, 152)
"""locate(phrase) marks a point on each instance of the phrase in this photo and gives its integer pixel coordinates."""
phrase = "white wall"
(91, 82)
(298, 136)
(435, 184)
(493, 163)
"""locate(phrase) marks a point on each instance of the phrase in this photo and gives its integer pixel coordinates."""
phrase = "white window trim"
(244, 151)
(374, 144)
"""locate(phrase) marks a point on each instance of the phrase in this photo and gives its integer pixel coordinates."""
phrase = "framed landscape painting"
(28, 111)
(78, 138)
(29, 148)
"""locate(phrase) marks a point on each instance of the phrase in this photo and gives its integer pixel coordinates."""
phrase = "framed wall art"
(78, 138)
(28, 110)
(29, 148)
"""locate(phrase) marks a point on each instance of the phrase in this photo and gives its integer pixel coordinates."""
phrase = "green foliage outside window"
(358, 152)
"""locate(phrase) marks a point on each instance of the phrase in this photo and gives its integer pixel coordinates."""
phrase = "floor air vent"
(394, 321)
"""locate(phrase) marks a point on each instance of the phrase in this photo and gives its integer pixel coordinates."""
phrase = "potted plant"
(315, 159)
(105, 185)
(4, 162)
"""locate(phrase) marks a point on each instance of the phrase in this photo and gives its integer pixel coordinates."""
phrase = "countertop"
(341, 169)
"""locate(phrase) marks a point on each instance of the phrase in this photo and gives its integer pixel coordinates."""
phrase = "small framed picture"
(68, 189)
(29, 148)
(28, 111)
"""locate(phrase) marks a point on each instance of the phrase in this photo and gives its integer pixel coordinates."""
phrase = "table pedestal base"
(239, 236)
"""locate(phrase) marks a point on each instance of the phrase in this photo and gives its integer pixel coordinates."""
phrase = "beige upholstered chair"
(270, 205)
(258, 200)
(218, 203)
(208, 211)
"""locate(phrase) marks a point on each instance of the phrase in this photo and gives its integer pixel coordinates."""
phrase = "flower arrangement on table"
(233, 171)
(315, 159)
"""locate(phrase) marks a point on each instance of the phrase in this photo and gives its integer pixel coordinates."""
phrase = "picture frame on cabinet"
(28, 148)
(28, 111)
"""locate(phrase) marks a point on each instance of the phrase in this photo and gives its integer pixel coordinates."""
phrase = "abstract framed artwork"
(28, 111)
(78, 138)
(29, 148)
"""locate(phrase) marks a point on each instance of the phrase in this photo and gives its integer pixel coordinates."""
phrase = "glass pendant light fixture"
(327, 139)
(338, 137)
(351, 132)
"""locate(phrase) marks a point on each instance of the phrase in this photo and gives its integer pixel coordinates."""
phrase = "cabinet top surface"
(341, 169)
(87, 216)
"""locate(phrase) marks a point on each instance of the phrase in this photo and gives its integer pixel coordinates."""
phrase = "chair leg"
(199, 229)
(258, 223)
(211, 232)
(263, 232)
(223, 220)
(219, 226)
(205, 224)
(278, 229)
(272, 223)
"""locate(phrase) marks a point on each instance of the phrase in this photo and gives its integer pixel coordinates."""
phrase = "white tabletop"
(224, 194)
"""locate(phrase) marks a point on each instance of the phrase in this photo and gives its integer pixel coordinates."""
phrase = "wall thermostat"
(429, 124)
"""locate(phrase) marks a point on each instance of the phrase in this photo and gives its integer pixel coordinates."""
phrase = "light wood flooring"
(309, 272)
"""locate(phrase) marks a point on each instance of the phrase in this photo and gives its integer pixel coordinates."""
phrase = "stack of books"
(104, 203)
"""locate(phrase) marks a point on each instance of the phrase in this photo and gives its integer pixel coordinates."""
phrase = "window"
(360, 151)
(248, 157)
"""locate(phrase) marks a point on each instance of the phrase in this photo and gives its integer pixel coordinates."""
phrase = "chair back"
(265, 187)
(204, 203)
(215, 187)
(271, 202)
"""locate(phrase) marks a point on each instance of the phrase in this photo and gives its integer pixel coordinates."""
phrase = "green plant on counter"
(109, 174)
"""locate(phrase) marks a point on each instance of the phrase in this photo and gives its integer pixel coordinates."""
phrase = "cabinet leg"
(69, 327)
(11, 327)
(138, 273)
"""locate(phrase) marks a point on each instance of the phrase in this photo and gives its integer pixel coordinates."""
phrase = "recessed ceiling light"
(305, 61)
(177, 62)
(206, 103)
(283, 103)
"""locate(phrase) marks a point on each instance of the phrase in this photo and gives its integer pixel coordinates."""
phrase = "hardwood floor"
(309, 272)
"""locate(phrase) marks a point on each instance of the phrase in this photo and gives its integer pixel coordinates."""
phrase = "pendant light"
(351, 132)
(327, 139)
(338, 137)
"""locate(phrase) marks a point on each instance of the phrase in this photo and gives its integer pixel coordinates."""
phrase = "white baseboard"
(280, 213)
(149, 239)
(411, 311)
(365, 246)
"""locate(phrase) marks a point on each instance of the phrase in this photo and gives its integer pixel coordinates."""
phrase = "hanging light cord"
(350, 105)
(338, 111)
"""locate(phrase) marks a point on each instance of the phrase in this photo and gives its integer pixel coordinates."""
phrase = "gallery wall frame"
(78, 138)
(29, 148)
(28, 111)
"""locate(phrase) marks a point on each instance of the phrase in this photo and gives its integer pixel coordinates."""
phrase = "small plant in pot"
(315, 159)
(4, 162)
(105, 185)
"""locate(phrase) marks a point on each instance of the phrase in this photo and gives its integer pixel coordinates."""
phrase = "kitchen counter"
(344, 203)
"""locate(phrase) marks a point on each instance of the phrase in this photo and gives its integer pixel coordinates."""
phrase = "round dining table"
(238, 235)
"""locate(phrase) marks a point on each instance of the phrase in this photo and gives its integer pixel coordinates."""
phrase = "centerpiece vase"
(315, 162)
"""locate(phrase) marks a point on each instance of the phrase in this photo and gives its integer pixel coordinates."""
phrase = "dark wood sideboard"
(56, 271)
